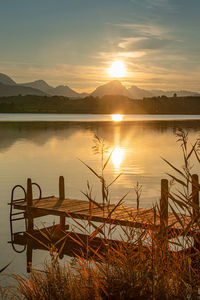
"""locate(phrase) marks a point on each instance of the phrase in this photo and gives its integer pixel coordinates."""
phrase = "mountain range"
(8, 87)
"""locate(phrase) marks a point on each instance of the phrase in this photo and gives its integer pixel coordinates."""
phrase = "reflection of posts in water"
(62, 197)
(29, 256)
(29, 199)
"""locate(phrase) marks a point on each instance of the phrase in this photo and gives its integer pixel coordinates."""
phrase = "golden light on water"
(117, 157)
(117, 69)
(117, 118)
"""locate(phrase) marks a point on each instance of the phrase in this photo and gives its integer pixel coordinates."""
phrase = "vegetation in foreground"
(142, 265)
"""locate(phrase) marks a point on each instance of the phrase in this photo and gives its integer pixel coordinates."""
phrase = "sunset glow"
(117, 69)
(117, 118)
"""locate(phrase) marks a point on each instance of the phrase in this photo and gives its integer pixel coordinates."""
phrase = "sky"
(74, 42)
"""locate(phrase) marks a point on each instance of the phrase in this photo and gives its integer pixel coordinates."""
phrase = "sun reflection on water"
(117, 157)
(117, 118)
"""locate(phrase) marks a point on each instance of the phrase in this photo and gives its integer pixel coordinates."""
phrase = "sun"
(117, 69)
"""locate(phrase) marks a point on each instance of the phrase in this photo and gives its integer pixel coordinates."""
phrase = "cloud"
(126, 42)
(144, 30)
(156, 4)
(109, 56)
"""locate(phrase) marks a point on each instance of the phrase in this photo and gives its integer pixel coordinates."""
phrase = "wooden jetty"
(29, 209)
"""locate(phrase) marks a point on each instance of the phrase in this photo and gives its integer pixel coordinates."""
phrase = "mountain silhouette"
(38, 84)
(8, 87)
(138, 93)
(113, 87)
(15, 90)
(6, 80)
(63, 90)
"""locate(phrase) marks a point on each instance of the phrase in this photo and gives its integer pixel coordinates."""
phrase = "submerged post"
(195, 207)
(164, 205)
(62, 197)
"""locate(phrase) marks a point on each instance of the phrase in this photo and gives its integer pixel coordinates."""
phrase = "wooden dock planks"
(123, 215)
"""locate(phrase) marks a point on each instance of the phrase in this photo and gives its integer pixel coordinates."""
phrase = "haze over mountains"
(8, 87)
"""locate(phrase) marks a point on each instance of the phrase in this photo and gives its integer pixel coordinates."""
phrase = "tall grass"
(142, 264)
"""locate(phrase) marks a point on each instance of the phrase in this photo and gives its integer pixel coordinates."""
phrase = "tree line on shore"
(105, 105)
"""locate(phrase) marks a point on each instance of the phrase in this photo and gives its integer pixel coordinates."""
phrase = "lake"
(43, 147)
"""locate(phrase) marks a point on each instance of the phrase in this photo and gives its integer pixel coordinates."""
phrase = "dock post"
(164, 218)
(164, 204)
(62, 197)
(195, 204)
(29, 199)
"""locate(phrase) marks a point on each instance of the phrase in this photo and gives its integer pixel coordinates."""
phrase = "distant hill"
(38, 84)
(113, 87)
(63, 90)
(138, 93)
(181, 93)
(15, 90)
(6, 79)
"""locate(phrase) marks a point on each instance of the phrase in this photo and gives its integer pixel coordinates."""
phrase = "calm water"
(45, 150)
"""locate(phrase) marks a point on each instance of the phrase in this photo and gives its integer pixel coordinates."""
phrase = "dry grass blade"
(177, 180)
(179, 202)
(93, 201)
(176, 216)
(44, 234)
(108, 159)
(78, 223)
(62, 247)
(177, 170)
(77, 240)
(191, 151)
(117, 205)
(38, 240)
(114, 180)
(5, 267)
(92, 170)
(197, 156)
(61, 239)
(97, 231)
(189, 226)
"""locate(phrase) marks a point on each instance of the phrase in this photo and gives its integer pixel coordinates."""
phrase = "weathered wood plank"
(123, 215)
